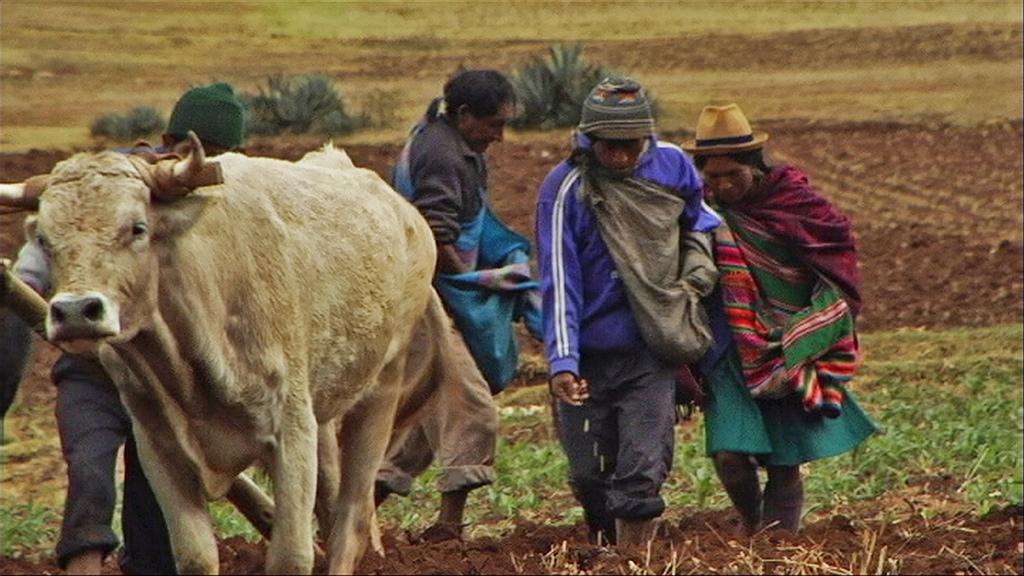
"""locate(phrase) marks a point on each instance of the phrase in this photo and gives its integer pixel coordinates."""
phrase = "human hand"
(569, 388)
(448, 261)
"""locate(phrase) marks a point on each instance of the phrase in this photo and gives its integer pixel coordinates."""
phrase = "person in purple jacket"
(611, 220)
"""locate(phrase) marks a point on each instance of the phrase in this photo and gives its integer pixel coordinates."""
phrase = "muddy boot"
(601, 527)
(738, 475)
(634, 532)
(438, 532)
(783, 498)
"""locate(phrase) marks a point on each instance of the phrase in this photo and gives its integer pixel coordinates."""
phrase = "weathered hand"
(569, 388)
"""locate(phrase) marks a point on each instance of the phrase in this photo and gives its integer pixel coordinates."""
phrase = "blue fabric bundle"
(485, 303)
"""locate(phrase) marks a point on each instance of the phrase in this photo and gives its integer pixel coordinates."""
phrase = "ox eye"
(139, 229)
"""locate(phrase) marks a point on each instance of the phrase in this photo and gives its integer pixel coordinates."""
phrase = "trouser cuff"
(635, 508)
(394, 481)
(455, 478)
(85, 538)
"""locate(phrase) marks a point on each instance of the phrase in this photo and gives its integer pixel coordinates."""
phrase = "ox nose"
(81, 317)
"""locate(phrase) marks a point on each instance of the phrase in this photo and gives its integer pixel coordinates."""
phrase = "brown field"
(914, 129)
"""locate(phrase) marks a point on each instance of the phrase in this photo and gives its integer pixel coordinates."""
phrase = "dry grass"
(64, 63)
(584, 20)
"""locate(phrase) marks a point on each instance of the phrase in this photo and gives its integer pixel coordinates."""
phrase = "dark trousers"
(15, 352)
(93, 425)
(620, 442)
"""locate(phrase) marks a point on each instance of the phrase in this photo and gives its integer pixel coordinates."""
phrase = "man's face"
(726, 180)
(481, 131)
(620, 157)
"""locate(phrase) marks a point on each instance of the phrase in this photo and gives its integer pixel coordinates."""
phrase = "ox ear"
(173, 220)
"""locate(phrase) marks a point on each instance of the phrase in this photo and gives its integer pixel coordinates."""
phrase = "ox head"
(102, 220)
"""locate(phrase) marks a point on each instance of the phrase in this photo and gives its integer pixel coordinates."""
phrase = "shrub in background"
(139, 123)
(298, 105)
(306, 104)
(550, 92)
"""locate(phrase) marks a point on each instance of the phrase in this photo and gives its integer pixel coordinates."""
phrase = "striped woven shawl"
(793, 328)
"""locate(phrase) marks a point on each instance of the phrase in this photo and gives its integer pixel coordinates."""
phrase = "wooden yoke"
(22, 300)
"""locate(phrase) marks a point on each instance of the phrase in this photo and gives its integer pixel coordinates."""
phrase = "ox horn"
(24, 195)
(173, 177)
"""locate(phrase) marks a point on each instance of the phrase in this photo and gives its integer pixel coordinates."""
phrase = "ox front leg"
(328, 477)
(363, 440)
(294, 473)
(179, 492)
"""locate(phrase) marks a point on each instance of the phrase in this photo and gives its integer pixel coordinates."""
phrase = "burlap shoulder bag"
(667, 271)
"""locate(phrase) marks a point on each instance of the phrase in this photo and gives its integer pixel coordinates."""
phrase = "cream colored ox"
(240, 320)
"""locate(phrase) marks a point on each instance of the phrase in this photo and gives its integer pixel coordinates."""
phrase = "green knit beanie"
(213, 112)
(617, 109)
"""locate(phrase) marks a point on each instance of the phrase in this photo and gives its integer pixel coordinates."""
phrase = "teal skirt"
(779, 432)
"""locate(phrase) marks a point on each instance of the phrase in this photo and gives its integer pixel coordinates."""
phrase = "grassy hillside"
(64, 62)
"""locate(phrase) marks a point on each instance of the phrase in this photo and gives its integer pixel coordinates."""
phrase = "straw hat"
(723, 130)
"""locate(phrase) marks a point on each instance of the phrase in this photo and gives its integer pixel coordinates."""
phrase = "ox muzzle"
(88, 316)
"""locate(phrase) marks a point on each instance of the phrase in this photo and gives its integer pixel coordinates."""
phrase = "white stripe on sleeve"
(558, 263)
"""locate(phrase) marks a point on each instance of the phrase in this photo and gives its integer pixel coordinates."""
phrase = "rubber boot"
(783, 498)
(738, 474)
(634, 532)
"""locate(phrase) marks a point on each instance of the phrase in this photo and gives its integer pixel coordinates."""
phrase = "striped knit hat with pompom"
(617, 109)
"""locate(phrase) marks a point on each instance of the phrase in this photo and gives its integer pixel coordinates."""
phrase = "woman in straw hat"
(609, 223)
(784, 322)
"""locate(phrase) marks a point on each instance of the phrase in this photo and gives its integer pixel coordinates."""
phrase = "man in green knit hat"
(214, 113)
(92, 423)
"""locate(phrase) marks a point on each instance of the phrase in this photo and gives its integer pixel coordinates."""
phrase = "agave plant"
(551, 92)
(299, 105)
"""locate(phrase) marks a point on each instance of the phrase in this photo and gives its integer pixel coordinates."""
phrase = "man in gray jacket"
(443, 172)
